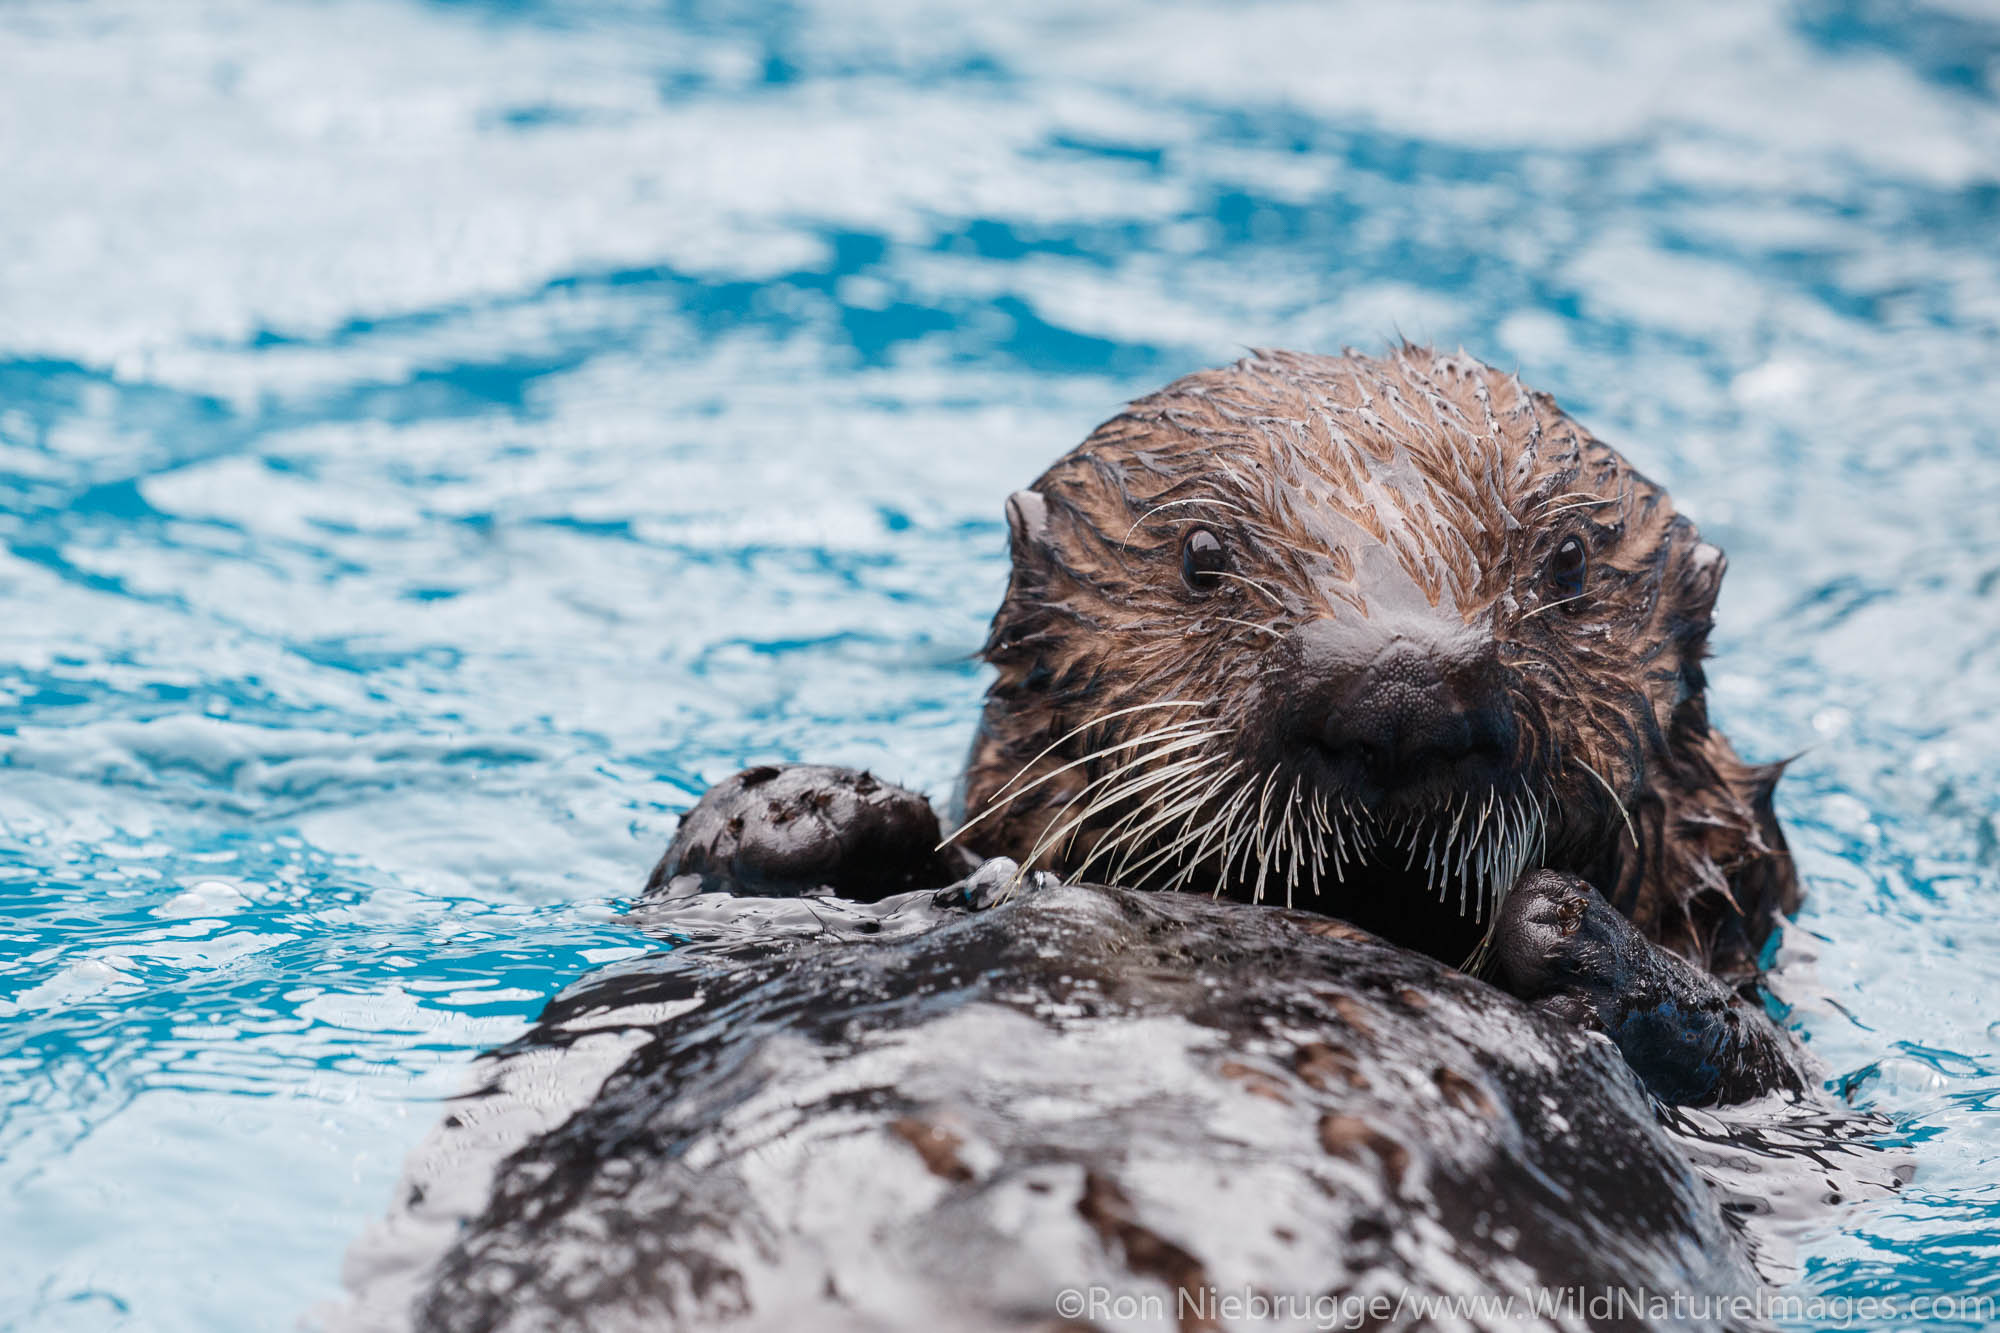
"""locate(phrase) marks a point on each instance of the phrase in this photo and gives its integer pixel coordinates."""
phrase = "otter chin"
(1372, 637)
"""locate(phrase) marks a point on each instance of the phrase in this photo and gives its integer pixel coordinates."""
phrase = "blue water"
(437, 440)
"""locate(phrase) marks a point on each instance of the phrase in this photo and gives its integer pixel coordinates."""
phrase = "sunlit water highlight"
(437, 440)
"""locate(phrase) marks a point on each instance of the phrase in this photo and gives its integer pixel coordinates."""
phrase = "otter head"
(1371, 637)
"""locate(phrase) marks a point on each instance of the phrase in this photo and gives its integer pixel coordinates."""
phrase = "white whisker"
(1581, 504)
(1148, 778)
(1189, 833)
(1148, 820)
(1250, 624)
(1550, 606)
(1071, 735)
(1055, 829)
(1171, 504)
(1258, 584)
(1179, 736)
(1614, 800)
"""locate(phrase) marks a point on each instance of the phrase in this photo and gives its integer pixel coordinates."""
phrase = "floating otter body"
(1390, 641)
(1081, 1109)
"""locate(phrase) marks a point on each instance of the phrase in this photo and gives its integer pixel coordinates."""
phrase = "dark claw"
(1562, 948)
(805, 829)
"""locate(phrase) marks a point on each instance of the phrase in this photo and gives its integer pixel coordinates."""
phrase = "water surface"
(436, 440)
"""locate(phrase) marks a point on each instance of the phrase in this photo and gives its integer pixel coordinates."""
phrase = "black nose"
(1403, 700)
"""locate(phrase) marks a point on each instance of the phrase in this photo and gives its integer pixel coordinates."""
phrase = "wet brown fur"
(1327, 476)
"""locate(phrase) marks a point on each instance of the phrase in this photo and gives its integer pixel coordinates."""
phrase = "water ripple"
(438, 439)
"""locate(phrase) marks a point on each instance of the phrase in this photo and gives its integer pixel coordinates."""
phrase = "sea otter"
(1391, 642)
(1375, 637)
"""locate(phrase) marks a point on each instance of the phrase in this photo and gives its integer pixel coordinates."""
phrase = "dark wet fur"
(837, 1135)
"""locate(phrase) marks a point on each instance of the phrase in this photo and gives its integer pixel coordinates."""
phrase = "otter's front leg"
(784, 832)
(1691, 1039)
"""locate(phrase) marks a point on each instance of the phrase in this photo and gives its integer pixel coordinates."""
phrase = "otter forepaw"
(1561, 947)
(781, 832)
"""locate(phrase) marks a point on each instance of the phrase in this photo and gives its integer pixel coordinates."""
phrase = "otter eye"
(1567, 569)
(1202, 560)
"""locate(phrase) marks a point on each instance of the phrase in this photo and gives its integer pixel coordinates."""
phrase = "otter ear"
(1701, 577)
(1690, 617)
(1028, 527)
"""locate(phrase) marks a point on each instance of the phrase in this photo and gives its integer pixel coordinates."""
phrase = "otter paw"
(1561, 947)
(781, 832)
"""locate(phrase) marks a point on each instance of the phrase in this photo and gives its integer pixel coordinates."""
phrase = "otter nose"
(1403, 701)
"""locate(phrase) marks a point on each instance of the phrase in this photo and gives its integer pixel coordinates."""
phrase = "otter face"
(1372, 637)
